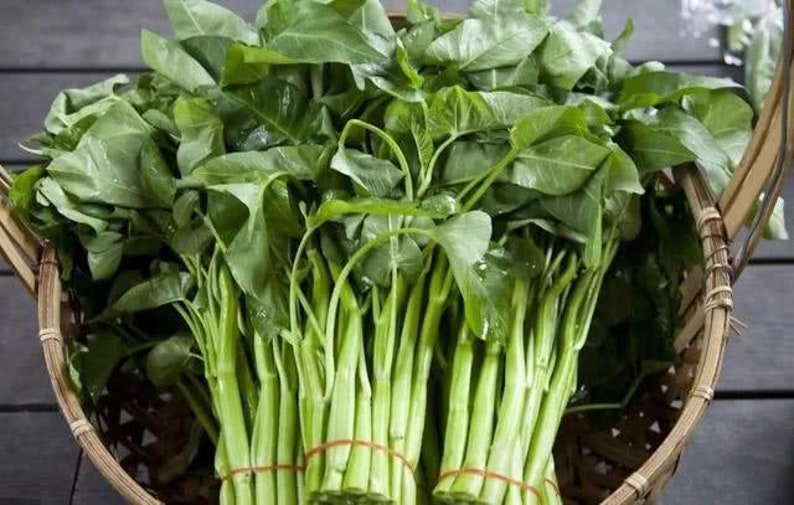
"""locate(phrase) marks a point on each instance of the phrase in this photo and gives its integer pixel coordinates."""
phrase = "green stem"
(440, 286)
(469, 486)
(199, 410)
(230, 408)
(503, 448)
(342, 414)
(288, 423)
(266, 426)
(357, 475)
(457, 426)
(401, 385)
(395, 148)
(383, 358)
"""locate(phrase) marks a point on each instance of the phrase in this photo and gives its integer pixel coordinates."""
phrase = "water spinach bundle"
(366, 251)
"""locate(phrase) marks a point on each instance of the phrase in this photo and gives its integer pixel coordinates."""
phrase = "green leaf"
(53, 194)
(621, 173)
(210, 52)
(455, 112)
(201, 133)
(115, 163)
(104, 352)
(557, 166)
(305, 31)
(481, 44)
(655, 88)
(248, 243)
(469, 159)
(168, 359)
(266, 114)
(652, 149)
(104, 254)
(304, 162)
(332, 209)
(168, 58)
(586, 14)
(524, 73)
(566, 55)
(710, 158)
(548, 122)
(72, 105)
(483, 286)
(377, 177)
(191, 18)
(727, 116)
(160, 290)
(244, 64)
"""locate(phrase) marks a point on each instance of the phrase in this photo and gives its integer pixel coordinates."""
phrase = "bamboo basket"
(629, 462)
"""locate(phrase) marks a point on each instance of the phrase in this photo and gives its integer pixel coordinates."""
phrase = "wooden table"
(742, 454)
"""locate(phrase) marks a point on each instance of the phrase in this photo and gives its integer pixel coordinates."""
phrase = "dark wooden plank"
(23, 377)
(741, 454)
(760, 359)
(37, 459)
(105, 33)
(92, 489)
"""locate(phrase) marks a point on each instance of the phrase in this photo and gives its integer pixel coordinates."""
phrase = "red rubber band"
(359, 443)
(262, 469)
(492, 475)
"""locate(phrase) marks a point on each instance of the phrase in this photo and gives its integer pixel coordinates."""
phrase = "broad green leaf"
(525, 73)
(72, 105)
(191, 18)
(104, 353)
(481, 44)
(377, 177)
(116, 163)
(455, 112)
(586, 14)
(304, 162)
(400, 253)
(162, 289)
(306, 31)
(469, 159)
(557, 166)
(104, 254)
(566, 55)
(168, 58)
(168, 359)
(498, 8)
(53, 194)
(332, 209)
(265, 114)
(621, 173)
(582, 212)
(657, 87)
(210, 52)
(715, 164)
(727, 116)
(245, 64)
(548, 122)
(247, 251)
(201, 133)
(465, 240)
(652, 149)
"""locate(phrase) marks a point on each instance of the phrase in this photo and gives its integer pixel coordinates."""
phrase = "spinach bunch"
(313, 225)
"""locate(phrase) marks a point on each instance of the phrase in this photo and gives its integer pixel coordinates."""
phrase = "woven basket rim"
(709, 314)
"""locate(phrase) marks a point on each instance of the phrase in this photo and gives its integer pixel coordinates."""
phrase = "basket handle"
(767, 157)
(18, 246)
